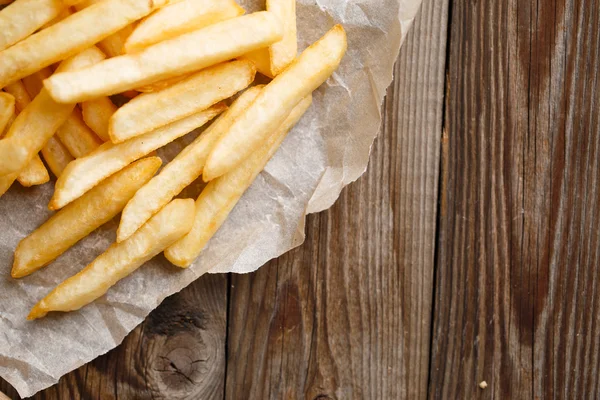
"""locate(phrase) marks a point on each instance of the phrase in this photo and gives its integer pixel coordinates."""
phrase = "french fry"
(36, 124)
(76, 33)
(35, 82)
(82, 217)
(190, 52)
(77, 137)
(160, 85)
(5, 2)
(7, 110)
(150, 111)
(176, 19)
(56, 155)
(120, 260)
(222, 194)
(35, 173)
(97, 113)
(86, 172)
(22, 99)
(276, 100)
(113, 45)
(273, 60)
(17, 21)
(180, 172)
(66, 12)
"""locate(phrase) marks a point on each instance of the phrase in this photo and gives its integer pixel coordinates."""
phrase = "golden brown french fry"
(281, 54)
(61, 15)
(39, 121)
(35, 82)
(120, 260)
(277, 99)
(114, 45)
(35, 173)
(97, 113)
(220, 196)
(150, 111)
(76, 33)
(160, 85)
(82, 217)
(7, 110)
(23, 17)
(22, 99)
(190, 52)
(6, 182)
(77, 137)
(86, 172)
(56, 155)
(176, 19)
(180, 172)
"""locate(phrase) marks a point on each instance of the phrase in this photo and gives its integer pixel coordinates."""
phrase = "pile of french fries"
(180, 63)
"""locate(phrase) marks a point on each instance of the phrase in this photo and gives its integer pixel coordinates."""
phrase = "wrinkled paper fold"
(328, 149)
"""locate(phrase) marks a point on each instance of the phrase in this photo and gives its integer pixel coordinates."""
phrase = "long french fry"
(86, 172)
(17, 21)
(56, 155)
(150, 111)
(220, 196)
(160, 85)
(82, 217)
(66, 12)
(114, 45)
(180, 172)
(276, 58)
(77, 32)
(96, 115)
(22, 98)
(7, 110)
(120, 260)
(36, 124)
(179, 18)
(186, 53)
(35, 173)
(277, 99)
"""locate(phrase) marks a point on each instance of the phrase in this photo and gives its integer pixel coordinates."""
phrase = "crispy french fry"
(179, 18)
(190, 52)
(273, 60)
(77, 32)
(6, 182)
(7, 110)
(150, 111)
(8, 124)
(97, 113)
(35, 82)
(61, 15)
(36, 124)
(22, 99)
(56, 155)
(120, 260)
(86, 172)
(35, 173)
(82, 217)
(77, 137)
(277, 99)
(160, 85)
(114, 45)
(220, 196)
(180, 172)
(17, 21)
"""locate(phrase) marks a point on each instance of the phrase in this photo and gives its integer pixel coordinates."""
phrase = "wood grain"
(347, 315)
(178, 352)
(517, 299)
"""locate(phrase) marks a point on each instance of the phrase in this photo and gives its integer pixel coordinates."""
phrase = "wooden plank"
(178, 352)
(347, 314)
(517, 299)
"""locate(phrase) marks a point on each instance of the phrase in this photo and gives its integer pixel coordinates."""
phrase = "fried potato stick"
(86, 172)
(150, 111)
(56, 155)
(82, 217)
(120, 260)
(179, 173)
(186, 53)
(220, 196)
(275, 102)
(96, 115)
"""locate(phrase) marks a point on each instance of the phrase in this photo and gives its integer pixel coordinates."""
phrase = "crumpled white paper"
(328, 149)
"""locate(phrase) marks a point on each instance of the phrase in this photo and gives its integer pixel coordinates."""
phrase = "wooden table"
(468, 252)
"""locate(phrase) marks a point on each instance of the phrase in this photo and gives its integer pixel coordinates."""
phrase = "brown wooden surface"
(404, 292)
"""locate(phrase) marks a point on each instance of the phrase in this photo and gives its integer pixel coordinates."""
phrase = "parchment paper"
(327, 150)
